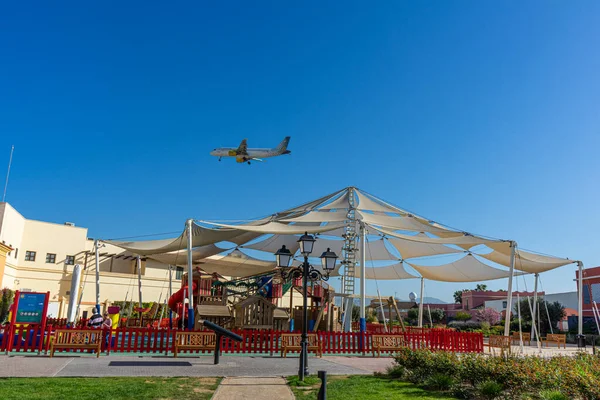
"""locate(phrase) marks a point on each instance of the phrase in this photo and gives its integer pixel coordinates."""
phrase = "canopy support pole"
(519, 316)
(580, 298)
(363, 274)
(535, 301)
(513, 246)
(139, 271)
(190, 290)
(382, 310)
(170, 294)
(421, 303)
(97, 276)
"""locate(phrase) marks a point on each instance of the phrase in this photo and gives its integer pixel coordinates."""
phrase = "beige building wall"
(118, 268)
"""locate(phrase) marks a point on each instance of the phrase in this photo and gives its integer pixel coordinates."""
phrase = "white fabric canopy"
(320, 216)
(408, 223)
(201, 236)
(180, 257)
(376, 250)
(321, 245)
(525, 261)
(278, 227)
(236, 264)
(274, 243)
(316, 217)
(390, 272)
(412, 249)
(366, 203)
(458, 241)
(467, 269)
(341, 203)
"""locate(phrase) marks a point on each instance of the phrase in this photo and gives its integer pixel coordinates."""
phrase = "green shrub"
(396, 371)
(462, 316)
(441, 382)
(462, 392)
(490, 389)
(575, 377)
(553, 395)
(485, 328)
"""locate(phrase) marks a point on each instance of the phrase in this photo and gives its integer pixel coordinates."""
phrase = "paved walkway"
(230, 366)
(252, 388)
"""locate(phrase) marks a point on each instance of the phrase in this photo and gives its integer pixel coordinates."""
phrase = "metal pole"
(535, 300)
(139, 271)
(12, 148)
(519, 316)
(363, 274)
(190, 276)
(580, 298)
(97, 277)
(420, 325)
(513, 246)
(303, 368)
(170, 294)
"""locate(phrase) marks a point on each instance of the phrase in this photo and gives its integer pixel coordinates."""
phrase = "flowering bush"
(575, 377)
(488, 315)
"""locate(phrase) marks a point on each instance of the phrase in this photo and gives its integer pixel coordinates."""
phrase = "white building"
(40, 256)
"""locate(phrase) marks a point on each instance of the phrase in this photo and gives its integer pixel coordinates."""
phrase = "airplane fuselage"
(244, 154)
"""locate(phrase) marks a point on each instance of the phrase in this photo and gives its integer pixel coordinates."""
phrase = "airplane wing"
(243, 148)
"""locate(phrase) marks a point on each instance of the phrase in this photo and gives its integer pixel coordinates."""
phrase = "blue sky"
(482, 116)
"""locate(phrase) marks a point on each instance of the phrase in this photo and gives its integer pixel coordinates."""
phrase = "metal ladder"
(350, 248)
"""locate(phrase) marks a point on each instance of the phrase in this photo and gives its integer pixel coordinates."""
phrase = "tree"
(480, 288)
(488, 315)
(556, 311)
(413, 314)
(437, 314)
(462, 316)
(6, 299)
(458, 296)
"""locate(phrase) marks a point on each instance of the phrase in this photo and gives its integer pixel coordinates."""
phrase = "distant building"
(591, 289)
(476, 299)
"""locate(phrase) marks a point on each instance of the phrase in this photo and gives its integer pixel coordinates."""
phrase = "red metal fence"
(153, 340)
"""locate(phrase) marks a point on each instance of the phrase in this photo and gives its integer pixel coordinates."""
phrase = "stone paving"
(252, 388)
(230, 366)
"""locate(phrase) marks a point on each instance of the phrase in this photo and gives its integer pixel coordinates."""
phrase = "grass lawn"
(361, 387)
(108, 388)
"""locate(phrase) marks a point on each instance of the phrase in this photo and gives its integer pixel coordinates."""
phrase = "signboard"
(31, 308)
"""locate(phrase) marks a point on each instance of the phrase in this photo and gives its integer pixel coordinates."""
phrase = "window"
(504, 304)
(70, 260)
(178, 272)
(30, 256)
(50, 258)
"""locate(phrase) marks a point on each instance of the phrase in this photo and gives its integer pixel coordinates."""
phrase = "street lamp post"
(306, 271)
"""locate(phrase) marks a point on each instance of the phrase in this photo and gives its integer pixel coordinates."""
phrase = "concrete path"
(230, 366)
(252, 388)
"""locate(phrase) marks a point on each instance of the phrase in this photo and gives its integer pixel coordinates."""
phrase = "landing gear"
(248, 162)
(219, 158)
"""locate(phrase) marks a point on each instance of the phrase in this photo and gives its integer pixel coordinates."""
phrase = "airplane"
(244, 154)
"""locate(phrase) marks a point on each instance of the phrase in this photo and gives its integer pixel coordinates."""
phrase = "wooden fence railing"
(154, 340)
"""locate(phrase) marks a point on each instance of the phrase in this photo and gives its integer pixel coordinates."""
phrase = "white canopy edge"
(274, 243)
(406, 223)
(466, 269)
(279, 228)
(525, 261)
(458, 240)
(413, 249)
(320, 216)
(387, 273)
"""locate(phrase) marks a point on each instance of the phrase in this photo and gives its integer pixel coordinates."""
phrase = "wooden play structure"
(254, 303)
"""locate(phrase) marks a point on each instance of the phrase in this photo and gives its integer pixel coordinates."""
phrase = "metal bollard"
(323, 390)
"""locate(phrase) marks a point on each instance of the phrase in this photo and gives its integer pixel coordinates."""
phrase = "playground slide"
(176, 300)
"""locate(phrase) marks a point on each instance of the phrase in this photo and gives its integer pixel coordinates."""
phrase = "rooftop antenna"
(12, 148)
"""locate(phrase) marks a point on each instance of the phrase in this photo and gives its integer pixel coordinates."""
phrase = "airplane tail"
(282, 147)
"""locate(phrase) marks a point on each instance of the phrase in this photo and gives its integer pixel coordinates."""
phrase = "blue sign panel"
(30, 308)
